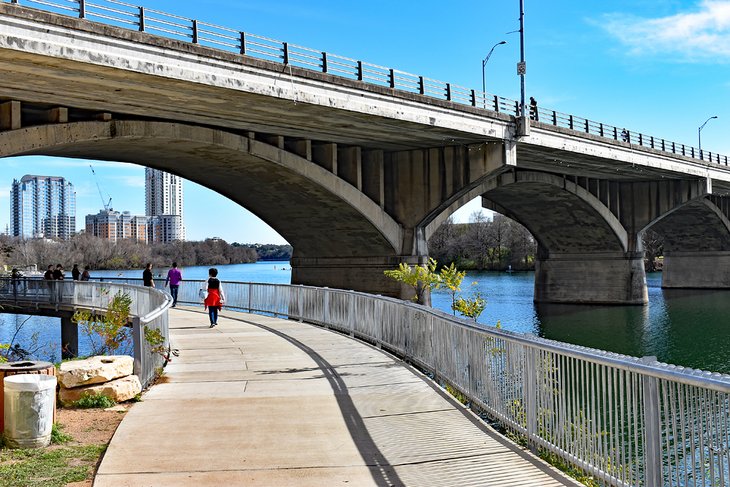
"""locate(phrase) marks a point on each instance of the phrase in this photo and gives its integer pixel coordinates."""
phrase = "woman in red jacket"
(215, 299)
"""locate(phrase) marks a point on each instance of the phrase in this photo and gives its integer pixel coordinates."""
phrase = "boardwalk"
(259, 401)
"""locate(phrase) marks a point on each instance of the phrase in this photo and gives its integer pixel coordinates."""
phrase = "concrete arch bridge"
(357, 176)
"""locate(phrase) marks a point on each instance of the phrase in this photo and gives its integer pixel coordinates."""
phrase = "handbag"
(203, 293)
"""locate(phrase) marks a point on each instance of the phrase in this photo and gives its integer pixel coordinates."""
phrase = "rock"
(95, 370)
(118, 390)
(117, 409)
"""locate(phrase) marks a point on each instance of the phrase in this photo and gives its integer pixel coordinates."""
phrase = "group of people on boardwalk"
(213, 296)
(58, 273)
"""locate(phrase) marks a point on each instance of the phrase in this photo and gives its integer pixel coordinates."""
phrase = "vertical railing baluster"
(324, 62)
(141, 21)
(285, 50)
(448, 91)
(82, 9)
(555, 118)
(195, 31)
(421, 85)
(473, 98)
(570, 122)
(530, 396)
(391, 78)
(359, 71)
(496, 103)
(600, 129)
(243, 42)
(652, 428)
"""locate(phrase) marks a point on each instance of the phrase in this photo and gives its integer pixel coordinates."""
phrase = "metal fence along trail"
(627, 421)
(139, 18)
(148, 309)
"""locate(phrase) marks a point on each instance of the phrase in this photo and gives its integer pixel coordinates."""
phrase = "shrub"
(89, 401)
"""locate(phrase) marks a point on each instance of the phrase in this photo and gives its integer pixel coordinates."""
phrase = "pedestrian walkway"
(260, 401)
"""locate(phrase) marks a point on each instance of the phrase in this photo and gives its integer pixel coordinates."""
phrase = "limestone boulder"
(119, 390)
(95, 370)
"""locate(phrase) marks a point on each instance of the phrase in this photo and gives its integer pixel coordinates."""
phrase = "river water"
(689, 328)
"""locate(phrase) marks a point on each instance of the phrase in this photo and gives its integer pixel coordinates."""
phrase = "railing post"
(588, 127)
(195, 31)
(530, 396)
(570, 122)
(555, 118)
(82, 9)
(473, 98)
(391, 78)
(351, 312)
(496, 103)
(324, 62)
(359, 71)
(137, 343)
(141, 19)
(641, 139)
(652, 428)
(286, 52)
(250, 293)
(243, 42)
(600, 129)
(326, 307)
(421, 85)
(448, 91)
(300, 301)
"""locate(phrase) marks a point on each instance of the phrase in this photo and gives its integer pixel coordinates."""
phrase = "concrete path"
(259, 401)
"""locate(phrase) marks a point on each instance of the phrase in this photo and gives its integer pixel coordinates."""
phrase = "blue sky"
(658, 67)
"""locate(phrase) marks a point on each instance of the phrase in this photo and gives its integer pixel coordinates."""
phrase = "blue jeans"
(173, 293)
(213, 312)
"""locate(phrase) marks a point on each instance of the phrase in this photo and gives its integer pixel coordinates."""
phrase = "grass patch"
(58, 436)
(89, 401)
(48, 468)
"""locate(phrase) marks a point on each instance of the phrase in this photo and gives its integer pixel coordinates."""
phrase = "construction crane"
(107, 205)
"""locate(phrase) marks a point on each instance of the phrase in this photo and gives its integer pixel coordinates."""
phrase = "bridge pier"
(696, 270)
(364, 274)
(591, 278)
(69, 339)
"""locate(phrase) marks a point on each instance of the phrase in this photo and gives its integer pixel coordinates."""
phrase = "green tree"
(471, 307)
(451, 279)
(422, 279)
(108, 332)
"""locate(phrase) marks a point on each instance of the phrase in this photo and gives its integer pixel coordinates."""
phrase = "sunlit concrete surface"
(260, 401)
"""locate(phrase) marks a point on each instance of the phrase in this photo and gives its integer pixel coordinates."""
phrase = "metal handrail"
(148, 309)
(231, 40)
(628, 421)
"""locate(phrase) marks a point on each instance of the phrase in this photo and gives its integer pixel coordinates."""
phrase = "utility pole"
(523, 125)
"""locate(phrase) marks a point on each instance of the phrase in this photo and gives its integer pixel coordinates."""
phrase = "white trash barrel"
(29, 400)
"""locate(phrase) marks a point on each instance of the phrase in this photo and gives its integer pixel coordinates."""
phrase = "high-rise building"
(164, 202)
(42, 207)
(113, 225)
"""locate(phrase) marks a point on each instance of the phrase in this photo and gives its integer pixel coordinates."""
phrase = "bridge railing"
(126, 15)
(148, 309)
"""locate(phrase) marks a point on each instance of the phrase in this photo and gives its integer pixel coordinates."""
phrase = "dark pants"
(213, 312)
(173, 293)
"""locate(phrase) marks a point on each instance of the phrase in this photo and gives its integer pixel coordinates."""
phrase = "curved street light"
(699, 134)
(484, 64)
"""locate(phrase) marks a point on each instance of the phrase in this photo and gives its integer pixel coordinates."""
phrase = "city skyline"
(660, 68)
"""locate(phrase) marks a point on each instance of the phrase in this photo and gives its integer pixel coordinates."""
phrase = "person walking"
(147, 279)
(174, 276)
(75, 272)
(48, 276)
(85, 276)
(215, 299)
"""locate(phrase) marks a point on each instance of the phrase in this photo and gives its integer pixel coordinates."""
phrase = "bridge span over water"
(354, 164)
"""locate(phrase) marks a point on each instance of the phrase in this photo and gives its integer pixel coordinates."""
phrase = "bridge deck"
(260, 401)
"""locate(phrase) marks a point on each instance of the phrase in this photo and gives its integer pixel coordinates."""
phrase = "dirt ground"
(89, 427)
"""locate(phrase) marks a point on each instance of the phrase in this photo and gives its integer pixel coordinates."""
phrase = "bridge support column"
(353, 273)
(69, 339)
(698, 270)
(591, 278)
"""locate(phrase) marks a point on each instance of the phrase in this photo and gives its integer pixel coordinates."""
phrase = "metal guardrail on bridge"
(125, 15)
(625, 420)
(148, 309)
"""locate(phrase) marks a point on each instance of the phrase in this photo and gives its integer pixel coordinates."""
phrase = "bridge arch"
(321, 215)
(696, 244)
(585, 253)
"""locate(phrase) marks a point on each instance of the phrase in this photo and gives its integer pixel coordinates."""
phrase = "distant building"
(164, 204)
(113, 225)
(42, 207)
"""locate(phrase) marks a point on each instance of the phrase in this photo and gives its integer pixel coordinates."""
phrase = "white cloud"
(701, 35)
(131, 181)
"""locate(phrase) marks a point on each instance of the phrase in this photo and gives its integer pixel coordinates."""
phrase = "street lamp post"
(699, 134)
(484, 65)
